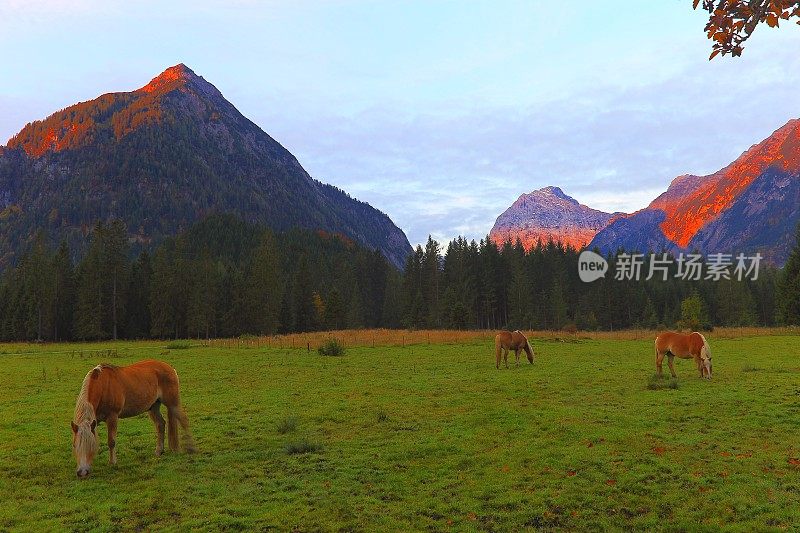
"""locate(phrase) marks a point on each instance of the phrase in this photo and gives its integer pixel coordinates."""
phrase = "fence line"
(367, 338)
(395, 337)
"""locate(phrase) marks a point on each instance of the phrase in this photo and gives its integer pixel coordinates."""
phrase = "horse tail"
(497, 350)
(172, 427)
(177, 417)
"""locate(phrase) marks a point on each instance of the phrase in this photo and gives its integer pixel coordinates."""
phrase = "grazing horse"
(511, 340)
(691, 346)
(112, 392)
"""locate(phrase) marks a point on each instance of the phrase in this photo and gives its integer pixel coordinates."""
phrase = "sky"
(438, 113)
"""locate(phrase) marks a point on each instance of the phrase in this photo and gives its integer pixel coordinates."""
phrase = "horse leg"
(670, 357)
(659, 361)
(498, 350)
(516, 355)
(111, 424)
(505, 356)
(160, 424)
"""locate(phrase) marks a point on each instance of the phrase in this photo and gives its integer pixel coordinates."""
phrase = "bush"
(302, 446)
(179, 345)
(287, 424)
(570, 328)
(331, 347)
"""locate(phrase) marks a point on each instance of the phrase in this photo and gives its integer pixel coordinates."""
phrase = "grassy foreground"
(421, 437)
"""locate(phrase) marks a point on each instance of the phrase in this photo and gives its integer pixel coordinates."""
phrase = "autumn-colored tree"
(694, 315)
(732, 22)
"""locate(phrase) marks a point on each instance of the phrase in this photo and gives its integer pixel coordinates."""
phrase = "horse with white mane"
(686, 346)
(511, 340)
(112, 392)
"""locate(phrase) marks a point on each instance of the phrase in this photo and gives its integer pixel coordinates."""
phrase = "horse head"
(705, 356)
(528, 348)
(84, 446)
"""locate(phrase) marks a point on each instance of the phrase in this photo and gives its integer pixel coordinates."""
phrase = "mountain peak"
(548, 214)
(691, 202)
(551, 189)
(181, 151)
(172, 78)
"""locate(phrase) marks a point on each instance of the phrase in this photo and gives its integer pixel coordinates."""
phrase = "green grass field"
(425, 437)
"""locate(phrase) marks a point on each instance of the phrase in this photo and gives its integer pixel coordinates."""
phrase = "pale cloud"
(443, 135)
(453, 172)
(612, 201)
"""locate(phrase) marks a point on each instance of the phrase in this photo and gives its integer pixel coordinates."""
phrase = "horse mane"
(84, 410)
(706, 349)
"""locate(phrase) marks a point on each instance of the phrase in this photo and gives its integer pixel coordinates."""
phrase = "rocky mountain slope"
(161, 158)
(752, 205)
(548, 214)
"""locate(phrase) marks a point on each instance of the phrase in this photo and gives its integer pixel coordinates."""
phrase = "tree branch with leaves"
(732, 22)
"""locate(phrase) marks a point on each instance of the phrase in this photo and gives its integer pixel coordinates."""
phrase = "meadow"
(420, 436)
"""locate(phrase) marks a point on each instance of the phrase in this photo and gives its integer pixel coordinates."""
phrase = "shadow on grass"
(302, 446)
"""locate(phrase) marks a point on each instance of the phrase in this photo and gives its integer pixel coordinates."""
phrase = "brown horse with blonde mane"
(112, 392)
(686, 346)
(511, 340)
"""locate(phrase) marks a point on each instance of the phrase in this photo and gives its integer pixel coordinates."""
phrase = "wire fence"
(394, 337)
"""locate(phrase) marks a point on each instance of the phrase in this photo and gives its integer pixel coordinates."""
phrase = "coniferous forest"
(224, 277)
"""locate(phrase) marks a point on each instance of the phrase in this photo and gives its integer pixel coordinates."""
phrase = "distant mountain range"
(161, 158)
(751, 205)
(548, 214)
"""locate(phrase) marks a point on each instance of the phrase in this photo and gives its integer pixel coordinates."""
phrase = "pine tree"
(412, 300)
(649, 316)
(114, 252)
(518, 299)
(39, 281)
(164, 290)
(789, 287)
(286, 322)
(265, 287)
(430, 274)
(63, 293)
(355, 310)
(391, 315)
(90, 304)
(334, 311)
(138, 323)
(558, 306)
(202, 296)
(303, 297)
